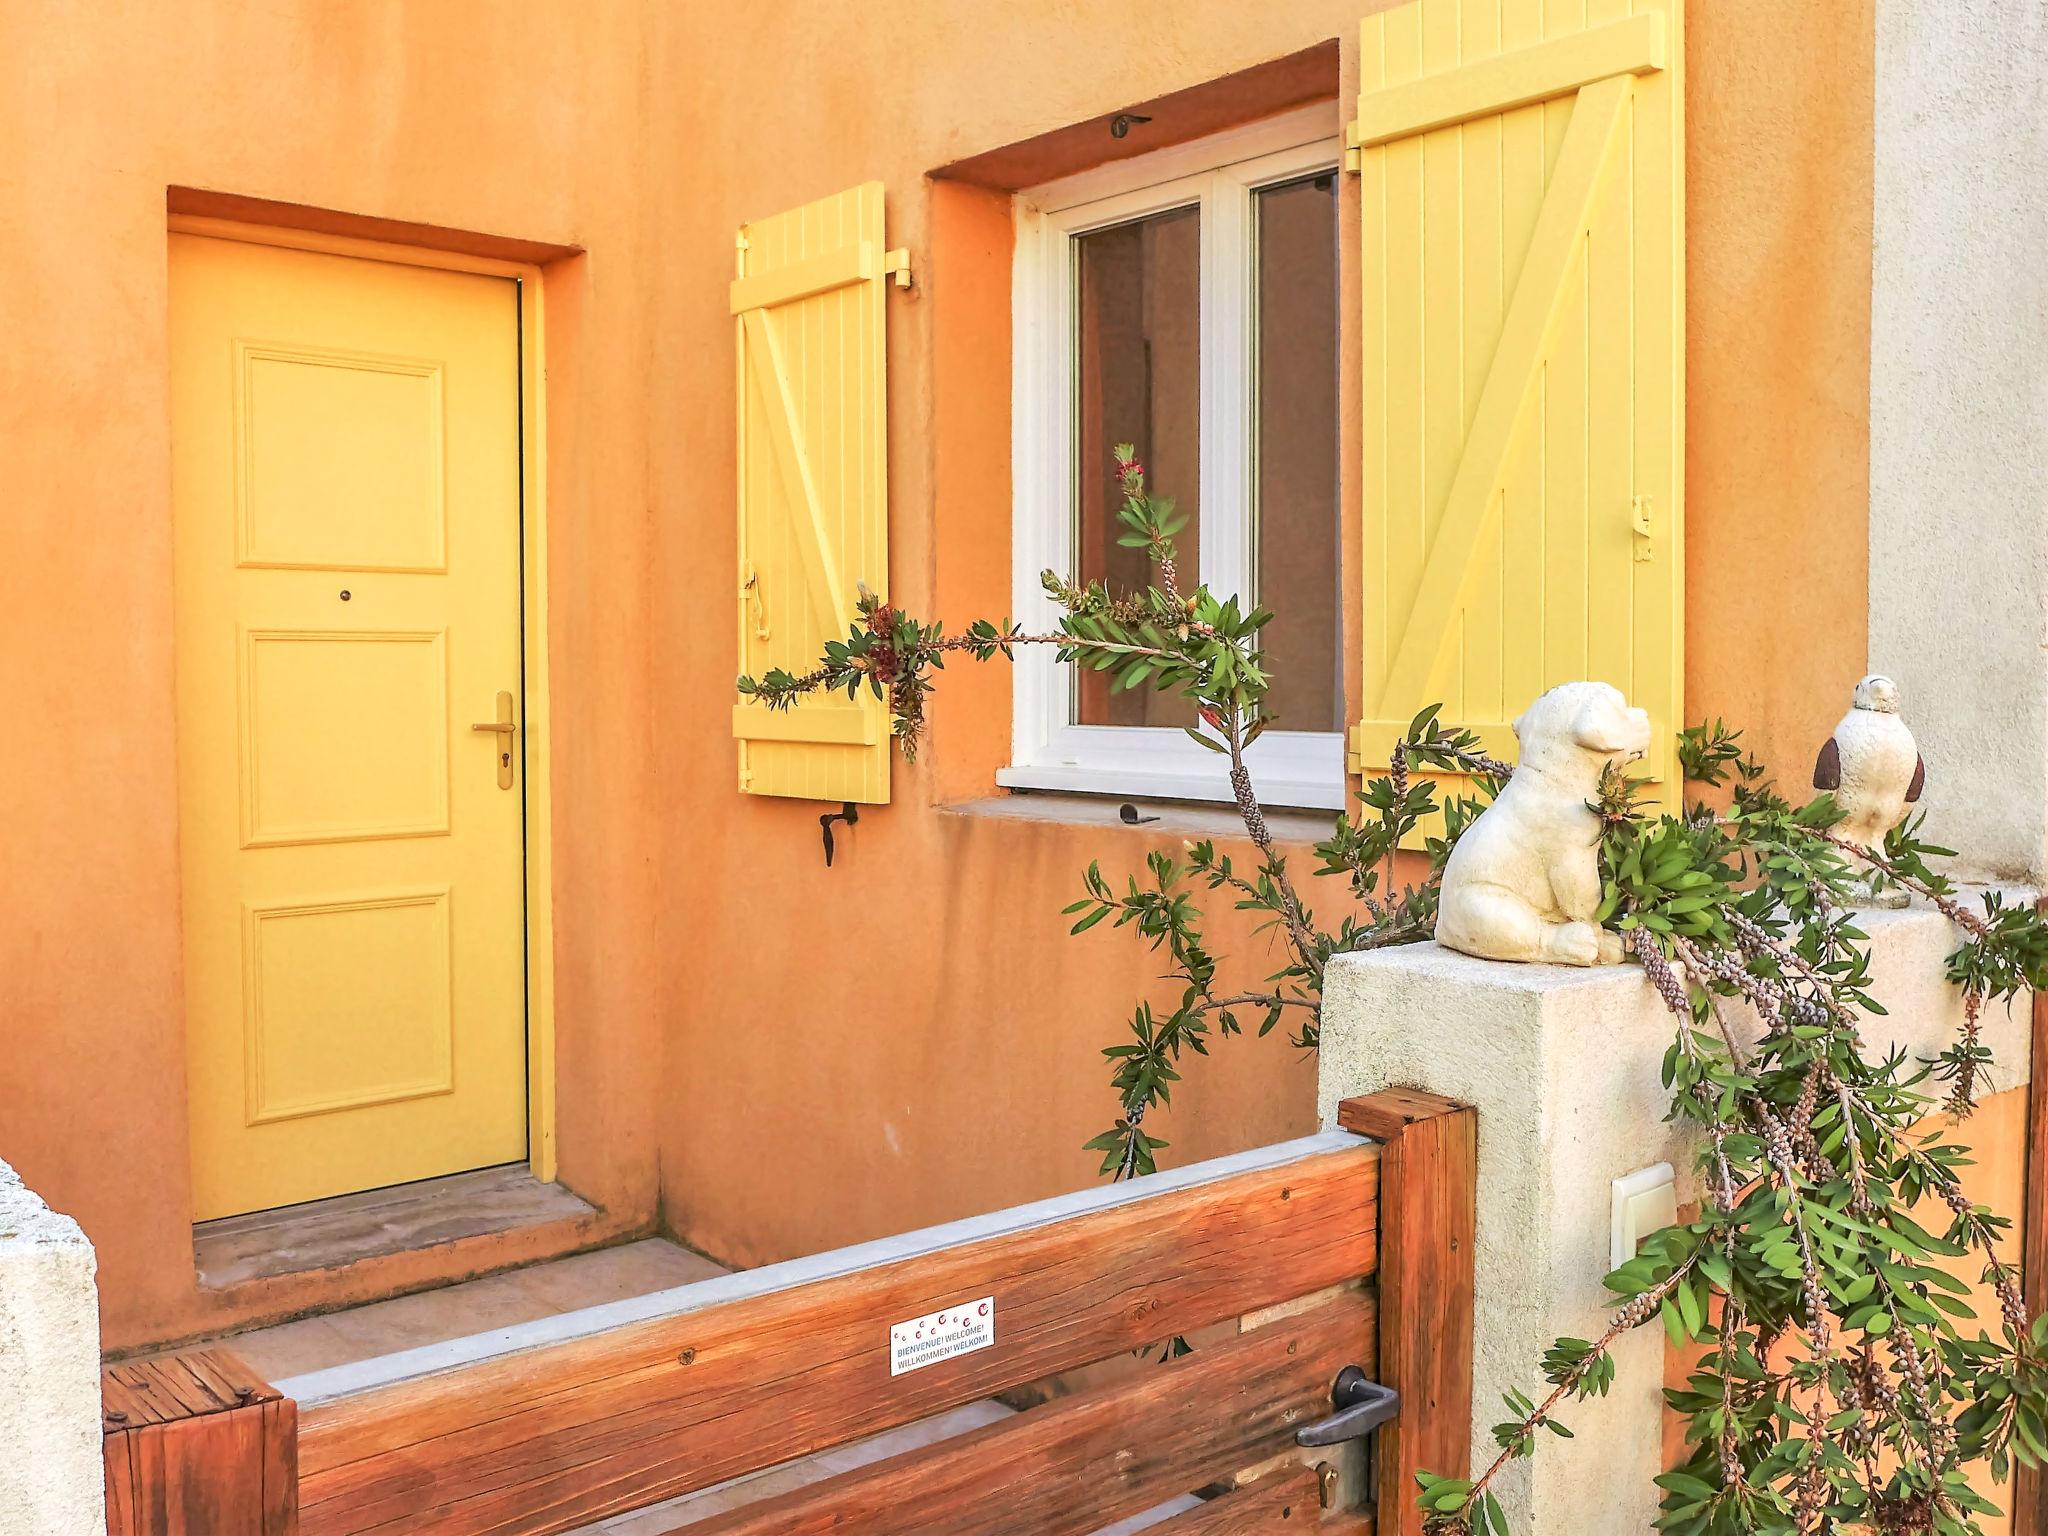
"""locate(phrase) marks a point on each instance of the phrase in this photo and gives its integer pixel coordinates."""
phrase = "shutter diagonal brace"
(1527, 333)
(778, 411)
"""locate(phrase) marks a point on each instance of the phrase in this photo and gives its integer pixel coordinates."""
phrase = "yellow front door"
(345, 473)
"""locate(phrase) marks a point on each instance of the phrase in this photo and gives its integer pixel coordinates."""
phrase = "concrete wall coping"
(51, 1478)
(1909, 947)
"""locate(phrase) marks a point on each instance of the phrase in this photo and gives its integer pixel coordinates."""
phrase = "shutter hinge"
(896, 263)
(1354, 157)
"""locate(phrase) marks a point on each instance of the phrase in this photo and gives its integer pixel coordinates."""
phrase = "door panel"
(345, 462)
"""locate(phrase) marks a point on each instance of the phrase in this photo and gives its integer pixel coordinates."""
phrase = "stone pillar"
(51, 1477)
(1564, 1068)
(1959, 413)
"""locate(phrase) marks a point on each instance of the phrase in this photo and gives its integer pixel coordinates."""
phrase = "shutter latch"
(750, 585)
(1639, 525)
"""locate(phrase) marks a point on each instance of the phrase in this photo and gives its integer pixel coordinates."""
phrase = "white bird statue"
(1872, 766)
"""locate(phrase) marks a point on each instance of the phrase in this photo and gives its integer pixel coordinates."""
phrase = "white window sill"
(1294, 831)
(1299, 769)
(1146, 784)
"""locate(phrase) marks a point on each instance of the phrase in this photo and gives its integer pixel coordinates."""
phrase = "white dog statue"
(1524, 881)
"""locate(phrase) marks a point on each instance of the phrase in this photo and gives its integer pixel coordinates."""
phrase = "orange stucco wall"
(775, 1056)
(511, 120)
(937, 1053)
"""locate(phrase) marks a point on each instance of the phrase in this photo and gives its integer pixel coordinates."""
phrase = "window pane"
(1295, 479)
(1139, 347)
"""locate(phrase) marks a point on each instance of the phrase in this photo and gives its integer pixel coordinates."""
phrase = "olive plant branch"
(1941, 1179)
(781, 691)
(1793, 992)
(1777, 1139)
(1254, 1000)
(1219, 874)
(1758, 991)
(1942, 899)
(1639, 1309)
(1255, 824)
(1936, 1440)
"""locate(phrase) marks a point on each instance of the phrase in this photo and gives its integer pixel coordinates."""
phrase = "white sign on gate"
(941, 1335)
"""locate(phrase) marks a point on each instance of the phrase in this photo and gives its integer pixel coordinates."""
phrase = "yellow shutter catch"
(1639, 526)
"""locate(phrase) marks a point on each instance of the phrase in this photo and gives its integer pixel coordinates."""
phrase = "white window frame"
(1221, 174)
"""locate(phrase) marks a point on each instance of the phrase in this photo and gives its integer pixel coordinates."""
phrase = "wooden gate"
(1287, 1264)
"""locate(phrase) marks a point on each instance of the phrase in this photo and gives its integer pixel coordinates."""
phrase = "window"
(1185, 301)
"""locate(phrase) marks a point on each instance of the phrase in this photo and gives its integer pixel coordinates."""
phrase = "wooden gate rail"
(549, 1425)
(1092, 1459)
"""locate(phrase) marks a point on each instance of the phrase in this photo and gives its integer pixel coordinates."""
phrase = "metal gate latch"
(1362, 1405)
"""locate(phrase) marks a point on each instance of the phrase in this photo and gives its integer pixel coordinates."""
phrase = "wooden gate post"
(1428, 1212)
(198, 1445)
(2030, 1485)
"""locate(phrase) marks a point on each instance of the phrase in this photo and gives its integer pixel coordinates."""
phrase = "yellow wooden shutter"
(1522, 281)
(813, 484)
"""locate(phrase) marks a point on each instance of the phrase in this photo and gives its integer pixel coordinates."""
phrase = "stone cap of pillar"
(51, 1478)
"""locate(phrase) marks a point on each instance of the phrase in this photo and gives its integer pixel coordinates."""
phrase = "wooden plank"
(232, 1376)
(1386, 1114)
(120, 1408)
(213, 1474)
(152, 1402)
(197, 1444)
(831, 599)
(169, 1388)
(118, 1452)
(803, 279)
(1096, 1457)
(280, 1467)
(2030, 1484)
(1285, 1502)
(847, 725)
(557, 1435)
(1428, 1213)
(1634, 46)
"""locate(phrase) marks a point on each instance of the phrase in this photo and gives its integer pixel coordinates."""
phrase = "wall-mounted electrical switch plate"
(1644, 1201)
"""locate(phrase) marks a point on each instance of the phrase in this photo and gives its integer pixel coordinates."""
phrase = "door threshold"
(404, 1218)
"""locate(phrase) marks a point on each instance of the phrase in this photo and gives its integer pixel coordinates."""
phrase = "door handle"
(1362, 1405)
(504, 726)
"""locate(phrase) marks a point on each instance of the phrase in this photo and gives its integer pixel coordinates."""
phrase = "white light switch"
(1644, 1201)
